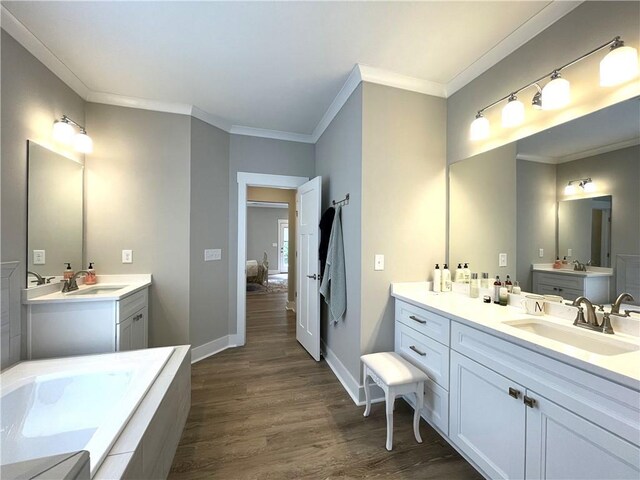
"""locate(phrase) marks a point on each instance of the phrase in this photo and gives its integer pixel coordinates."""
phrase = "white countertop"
(51, 293)
(623, 368)
(568, 270)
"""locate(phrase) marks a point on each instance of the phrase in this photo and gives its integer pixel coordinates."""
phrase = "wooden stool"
(396, 376)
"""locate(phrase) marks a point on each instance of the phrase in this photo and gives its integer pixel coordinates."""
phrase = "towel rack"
(343, 202)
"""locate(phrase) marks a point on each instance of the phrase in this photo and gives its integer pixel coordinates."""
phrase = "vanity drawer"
(566, 293)
(426, 322)
(424, 352)
(131, 304)
(560, 280)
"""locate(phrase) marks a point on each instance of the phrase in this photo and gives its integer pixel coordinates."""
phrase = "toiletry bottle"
(496, 289)
(90, 277)
(516, 288)
(508, 284)
(557, 263)
(484, 283)
(459, 278)
(437, 279)
(565, 262)
(446, 279)
(503, 296)
(68, 273)
(467, 273)
(474, 290)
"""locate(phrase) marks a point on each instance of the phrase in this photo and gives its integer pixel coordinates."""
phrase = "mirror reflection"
(55, 214)
(570, 191)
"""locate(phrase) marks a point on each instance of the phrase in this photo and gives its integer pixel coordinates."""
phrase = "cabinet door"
(139, 330)
(560, 444)
(124, 332)
(487, 419)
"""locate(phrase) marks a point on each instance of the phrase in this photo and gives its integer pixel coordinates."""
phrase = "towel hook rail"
(343, 202)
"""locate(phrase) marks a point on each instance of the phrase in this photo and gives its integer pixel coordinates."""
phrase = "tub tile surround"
(489, 318)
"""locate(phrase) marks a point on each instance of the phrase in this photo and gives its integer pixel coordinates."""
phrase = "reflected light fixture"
(620, 65)
(586, 184)
(64, 131)
(513, 112)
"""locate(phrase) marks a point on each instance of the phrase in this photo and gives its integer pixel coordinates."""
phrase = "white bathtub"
(73, 403)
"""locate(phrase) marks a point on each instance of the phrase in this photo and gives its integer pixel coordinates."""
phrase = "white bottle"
(446, 279)
(466, 273)
(459, 276)
(437, 279)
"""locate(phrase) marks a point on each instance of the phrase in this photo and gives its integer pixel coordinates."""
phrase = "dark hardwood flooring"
(268, 411)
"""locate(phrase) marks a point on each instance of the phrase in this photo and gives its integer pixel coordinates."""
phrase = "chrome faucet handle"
(600, 307)
(631, 311)
(579, 317)
(606, 323)
(48, 279)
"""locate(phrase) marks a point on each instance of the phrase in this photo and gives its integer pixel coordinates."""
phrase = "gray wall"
(586, 27)
(403, 199)
(262, 233)
(535, 217)
(138, 197)
(32, 98)
(339, 162)
(209, 224)
(259, 155)
(482, 209)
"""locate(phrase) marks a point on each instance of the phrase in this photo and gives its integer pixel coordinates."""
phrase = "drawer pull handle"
(422, 354)
(416, 319)
(514, 393)
(529, 402)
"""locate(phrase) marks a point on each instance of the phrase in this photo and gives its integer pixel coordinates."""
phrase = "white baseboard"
(273, 272)
(214, 346)
(350, 384)
(291, 305)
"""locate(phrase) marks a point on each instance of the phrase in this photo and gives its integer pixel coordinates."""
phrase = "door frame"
(281, 221)
(246, 179)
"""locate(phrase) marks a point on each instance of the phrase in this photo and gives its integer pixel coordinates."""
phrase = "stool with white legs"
(396, 376)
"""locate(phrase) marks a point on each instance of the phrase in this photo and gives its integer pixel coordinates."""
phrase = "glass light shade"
(513, 113)
(479, 129)
(570, 190)
(589, 187)
(556, 94)
(619, 66)
(83, 143)
(63, 132)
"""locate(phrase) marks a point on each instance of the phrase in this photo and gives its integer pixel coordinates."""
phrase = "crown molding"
(140, 103)
(273, 134)
(546, 17)
(39, 50)
(210, 118)
(631, 142)
(403, 82)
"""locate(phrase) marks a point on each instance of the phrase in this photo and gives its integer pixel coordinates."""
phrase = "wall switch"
(127, 256)
(541, 252)
(275, 245)
(378, 263)
(38, 257)
(212, 254)
(502, 260)
(570, 252)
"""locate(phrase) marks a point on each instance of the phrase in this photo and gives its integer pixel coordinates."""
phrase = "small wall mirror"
(55, 229)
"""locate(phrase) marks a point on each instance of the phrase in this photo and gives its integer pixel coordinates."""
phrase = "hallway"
(269, 411)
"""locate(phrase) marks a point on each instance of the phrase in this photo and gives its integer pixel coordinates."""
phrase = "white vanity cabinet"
(572, 285)
(67, 328)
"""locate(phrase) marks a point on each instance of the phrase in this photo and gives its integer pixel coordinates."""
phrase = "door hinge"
(296, 213)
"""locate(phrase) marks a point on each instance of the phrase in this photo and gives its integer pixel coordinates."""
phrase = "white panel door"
(308, 267)
(487, 418)
(560, 444)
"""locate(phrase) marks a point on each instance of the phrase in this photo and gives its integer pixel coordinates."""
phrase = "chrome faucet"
(581, 267)
(592, 320)
(40, 280)
(615, 308)
(71, 285)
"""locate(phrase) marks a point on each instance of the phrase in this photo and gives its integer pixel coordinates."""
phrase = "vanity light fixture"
(64, 132)
(618, 66)
(586, 184)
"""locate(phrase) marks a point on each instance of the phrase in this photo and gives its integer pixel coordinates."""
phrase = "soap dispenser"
(446, 279)
(437, 279)
(459, 277)
(68, 273)
(90, 277)
(466, 273)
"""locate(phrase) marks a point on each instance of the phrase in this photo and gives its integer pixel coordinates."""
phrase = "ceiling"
(271, 65)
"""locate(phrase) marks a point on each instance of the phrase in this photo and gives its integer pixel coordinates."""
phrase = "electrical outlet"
(275, 245)
(570, 252)
(541, 252)
(127, 256)
(502, 260)
(39, 257)
(378, 263)
(212, 254)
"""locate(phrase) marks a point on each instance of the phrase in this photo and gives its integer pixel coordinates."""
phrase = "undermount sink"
(602, 344)
(98, 289)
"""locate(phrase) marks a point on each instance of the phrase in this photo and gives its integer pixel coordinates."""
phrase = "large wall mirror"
(55, 213)
(532, 200)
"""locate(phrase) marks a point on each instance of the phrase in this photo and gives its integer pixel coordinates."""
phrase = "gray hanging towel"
(334, 282)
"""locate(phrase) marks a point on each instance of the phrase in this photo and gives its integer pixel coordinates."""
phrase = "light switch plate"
(39, 257)
(211, 254)
(502, 260)
(541, 252)
(127, 256)
(275, 245)
(378, 262)
(570, 252)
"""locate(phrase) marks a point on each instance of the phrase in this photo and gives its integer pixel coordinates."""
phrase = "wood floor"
(268, 411)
